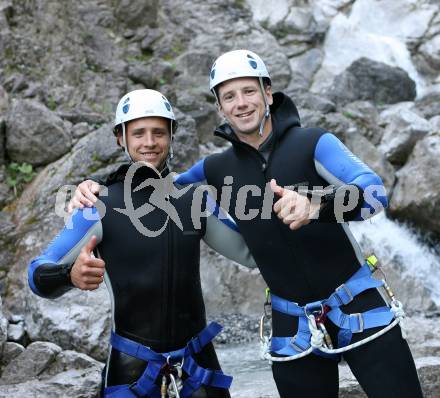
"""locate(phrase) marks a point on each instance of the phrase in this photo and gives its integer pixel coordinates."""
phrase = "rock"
(369, 80)
(10, 351)
(2, 143)
(368, 153)
(435, 123)
(4, 101)
(30, 363)
(15, 83)
(429, 105)
(16, 332)
(152, 74)
(333, 122)
(46, 371)
(34, 134)
(417, 193)
(403, 129)
(204, 113)
(306, 64)
(185, 144)
(3, 327)
(430, 50)
(366, 117)
(136, 13)
(313, 102)
(229, 287)
(79, 130)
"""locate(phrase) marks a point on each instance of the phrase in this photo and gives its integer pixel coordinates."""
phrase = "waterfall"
(392, 239)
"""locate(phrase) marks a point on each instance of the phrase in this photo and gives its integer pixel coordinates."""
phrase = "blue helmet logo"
(126, 100)
(251, 61)
(125, 108)
(167, 105)
(212, 73)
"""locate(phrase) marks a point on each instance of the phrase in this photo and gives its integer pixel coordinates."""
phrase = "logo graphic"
(163, 190)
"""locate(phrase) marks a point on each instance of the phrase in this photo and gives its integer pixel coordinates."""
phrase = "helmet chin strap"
(266, 107)
(170, 148)
(124, 142)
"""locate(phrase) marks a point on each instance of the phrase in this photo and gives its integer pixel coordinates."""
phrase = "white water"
(393, 240)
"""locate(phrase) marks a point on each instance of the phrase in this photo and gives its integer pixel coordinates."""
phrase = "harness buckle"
(360, 320)
(344, 288)
(314, 309)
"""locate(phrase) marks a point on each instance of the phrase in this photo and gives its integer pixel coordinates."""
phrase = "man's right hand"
(84, 195)
(87, 272)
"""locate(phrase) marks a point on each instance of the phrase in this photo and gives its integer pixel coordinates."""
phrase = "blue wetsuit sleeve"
(196, 174)
(341, 168)
(49, 273)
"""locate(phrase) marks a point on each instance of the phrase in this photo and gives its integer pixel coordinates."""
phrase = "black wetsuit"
(153, 281)
(308, 264)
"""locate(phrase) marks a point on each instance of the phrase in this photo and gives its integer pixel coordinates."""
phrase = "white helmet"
(143, 103)
(237, 63)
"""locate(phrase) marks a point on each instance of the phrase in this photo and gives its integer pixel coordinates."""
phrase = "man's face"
(242, 103)
(148, 139)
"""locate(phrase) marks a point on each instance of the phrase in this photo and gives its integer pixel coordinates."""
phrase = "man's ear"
(120, 143)
(268, 91)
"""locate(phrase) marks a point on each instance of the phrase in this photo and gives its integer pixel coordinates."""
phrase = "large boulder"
(370, 80)
(404, 127)
(416, 196)
(35, 134)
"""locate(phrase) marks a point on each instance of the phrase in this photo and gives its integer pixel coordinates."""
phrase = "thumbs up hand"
(292, 208)
(87, 272)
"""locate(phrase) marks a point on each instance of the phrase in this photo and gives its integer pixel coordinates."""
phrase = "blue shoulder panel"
(74, 230)
(344, 166)
(217, 211)
(195, 174)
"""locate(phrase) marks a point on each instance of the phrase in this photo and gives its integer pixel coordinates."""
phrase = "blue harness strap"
(146, 386)
(348, 323)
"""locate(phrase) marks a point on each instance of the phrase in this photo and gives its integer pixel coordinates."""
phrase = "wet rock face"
(369, 80)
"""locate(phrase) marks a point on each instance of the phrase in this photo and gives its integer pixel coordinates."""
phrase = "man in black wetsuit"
(149, 259)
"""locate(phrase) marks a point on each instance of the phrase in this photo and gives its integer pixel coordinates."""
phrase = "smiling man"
(160, 344)
(304, 250)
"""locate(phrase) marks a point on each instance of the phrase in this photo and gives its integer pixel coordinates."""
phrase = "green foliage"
(51, 103)
(17, 175)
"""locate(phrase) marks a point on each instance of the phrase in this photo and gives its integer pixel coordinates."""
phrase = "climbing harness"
(312, 335)
(168, 368)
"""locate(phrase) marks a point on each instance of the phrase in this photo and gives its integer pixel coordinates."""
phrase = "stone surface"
(34, 134)
(44, 370)
(370, 80)
(10, 351)
(416, 195)
(403, 129)
(369, 154)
